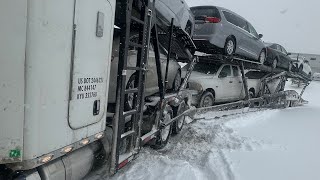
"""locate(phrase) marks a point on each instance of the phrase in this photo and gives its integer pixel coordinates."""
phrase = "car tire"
(178, 124)
(206, 100)
(230, 46)
(262, 56)
(164, 134)
(129, 98)
(274, 63)
(176, 82)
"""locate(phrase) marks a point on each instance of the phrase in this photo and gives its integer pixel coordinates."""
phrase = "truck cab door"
(93, 31)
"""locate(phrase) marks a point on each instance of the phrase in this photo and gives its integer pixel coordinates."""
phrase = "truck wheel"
(206, 100)
(129, 98)
(178, 125)
(251, 93)
(164, 134)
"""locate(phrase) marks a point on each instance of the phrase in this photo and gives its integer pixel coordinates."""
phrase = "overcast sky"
(295, 24)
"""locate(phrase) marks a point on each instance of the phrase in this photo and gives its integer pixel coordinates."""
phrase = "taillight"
(212, 20)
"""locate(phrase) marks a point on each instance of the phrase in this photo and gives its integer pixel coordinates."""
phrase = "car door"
(238, 27)
(224, 91)
(237, 82)
(285, 58)
(256, 44)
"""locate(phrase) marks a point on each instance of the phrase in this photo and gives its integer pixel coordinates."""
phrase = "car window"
(253, 31)
(206, 68)
(236, 20)
(278, 48)
(284, 50)
(206, 12)
(235, 71)
(226, 69)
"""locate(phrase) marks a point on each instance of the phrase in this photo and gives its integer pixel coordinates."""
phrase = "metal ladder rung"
(109, 114)
(134, 68)
(135, 44)
(131, 112)
(126, 134)
(137, 20)
(129, 91)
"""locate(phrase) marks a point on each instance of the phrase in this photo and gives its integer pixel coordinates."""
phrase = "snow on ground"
(271, 144)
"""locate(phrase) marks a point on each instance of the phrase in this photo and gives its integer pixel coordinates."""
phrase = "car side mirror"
(289, 54)
(223, 75)
(260, 36)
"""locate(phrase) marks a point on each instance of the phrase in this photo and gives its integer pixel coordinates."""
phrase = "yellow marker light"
(46, 158)
(67, 149)
(98, 136)
(84, 142)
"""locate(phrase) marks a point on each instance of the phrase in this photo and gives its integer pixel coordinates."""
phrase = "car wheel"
(206, 100)
(262, 56)
(274, 63)
(129, 98)
(176, 82)
(164, 134)
(229, 47)
(178, 124)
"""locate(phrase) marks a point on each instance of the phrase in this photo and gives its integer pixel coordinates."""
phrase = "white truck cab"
(54, 70)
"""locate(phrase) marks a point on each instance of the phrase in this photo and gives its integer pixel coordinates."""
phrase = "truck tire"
(178, 125)
(129, 98)
(164, 134)
(206, 100)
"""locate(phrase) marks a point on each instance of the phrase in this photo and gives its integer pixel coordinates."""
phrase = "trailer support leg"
(245, 83)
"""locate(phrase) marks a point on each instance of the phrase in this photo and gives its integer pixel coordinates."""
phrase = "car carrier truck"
(54, 75)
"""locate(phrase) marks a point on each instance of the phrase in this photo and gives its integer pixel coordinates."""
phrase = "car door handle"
(240, 81)
(230, 81)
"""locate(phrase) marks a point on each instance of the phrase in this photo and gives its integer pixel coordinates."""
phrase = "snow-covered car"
(215, 83)
(254, 83)
(316, 77)
(301, 65)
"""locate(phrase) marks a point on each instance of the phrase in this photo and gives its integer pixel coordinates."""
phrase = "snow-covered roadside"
(271, 144)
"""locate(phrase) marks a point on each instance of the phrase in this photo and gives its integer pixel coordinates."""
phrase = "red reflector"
(123, 163)
(212, 20)
(147, 139)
